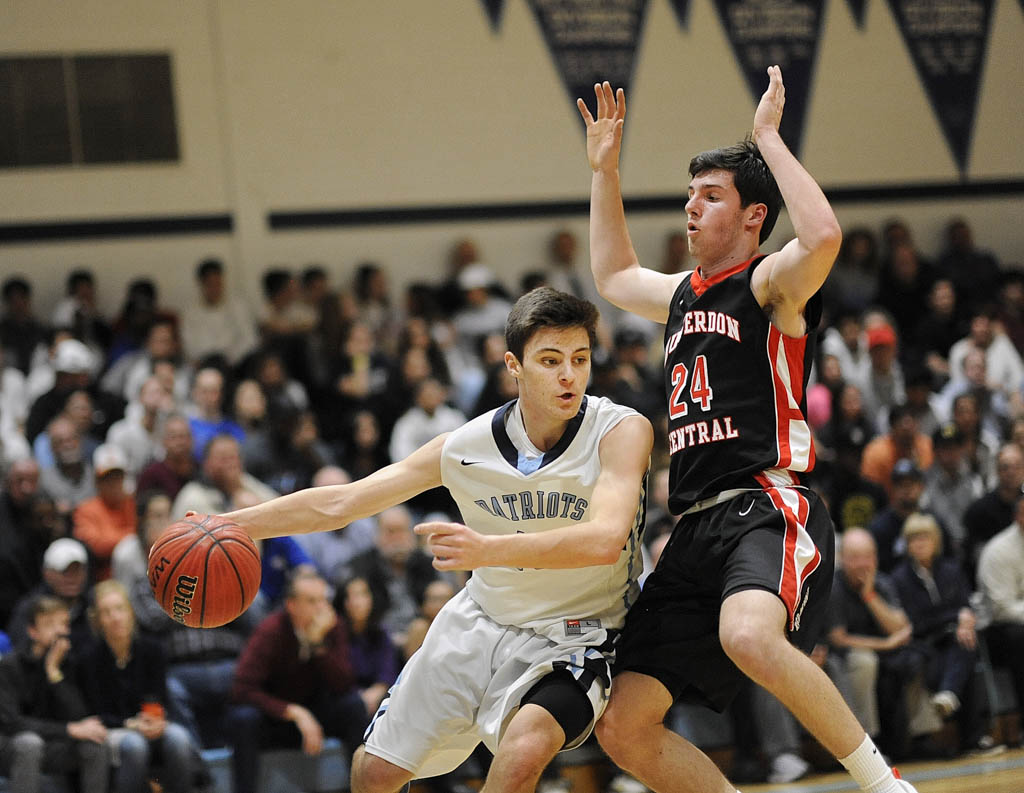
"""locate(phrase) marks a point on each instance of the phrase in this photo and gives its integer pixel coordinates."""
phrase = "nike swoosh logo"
(470, 462)
(750, 506)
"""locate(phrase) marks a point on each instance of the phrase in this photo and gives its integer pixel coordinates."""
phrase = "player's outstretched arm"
(618, 275)
(334, 506)
(625, 457)
(796, 272)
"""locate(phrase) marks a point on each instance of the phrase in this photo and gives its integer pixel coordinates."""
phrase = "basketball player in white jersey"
(744, 582)
(552, 489)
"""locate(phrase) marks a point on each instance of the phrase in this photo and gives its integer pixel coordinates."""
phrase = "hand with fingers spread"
(604, 134)
(768, 115)
(454, 546)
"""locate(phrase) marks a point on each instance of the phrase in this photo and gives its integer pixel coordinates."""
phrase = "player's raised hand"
(768, 115)
(604, 134)
(454, 546)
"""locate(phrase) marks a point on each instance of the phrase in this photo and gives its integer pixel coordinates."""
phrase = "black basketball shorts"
(781, 540)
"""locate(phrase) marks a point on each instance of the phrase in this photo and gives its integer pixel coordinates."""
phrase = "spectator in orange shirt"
(103, 521)
(903, 440)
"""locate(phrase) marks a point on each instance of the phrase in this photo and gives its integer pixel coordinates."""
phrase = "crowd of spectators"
(111, 427)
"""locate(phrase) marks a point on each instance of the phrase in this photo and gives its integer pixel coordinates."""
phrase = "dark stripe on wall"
(453, 213)
(12, 233)
(113, 228)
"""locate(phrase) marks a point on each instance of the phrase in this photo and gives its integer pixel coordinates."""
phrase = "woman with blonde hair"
(124, 678)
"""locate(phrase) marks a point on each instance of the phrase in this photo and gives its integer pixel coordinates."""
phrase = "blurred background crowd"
(113, 426)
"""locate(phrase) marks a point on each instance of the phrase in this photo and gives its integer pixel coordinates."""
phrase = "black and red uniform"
(739, 443)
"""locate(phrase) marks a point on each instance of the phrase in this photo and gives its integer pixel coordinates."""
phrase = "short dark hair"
(79, 276)
(275, 280)
(545, 307)
(16, 284)
(750, 173)
(209, 267)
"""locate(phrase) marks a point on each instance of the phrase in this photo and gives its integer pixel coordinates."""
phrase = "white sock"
(869, 769)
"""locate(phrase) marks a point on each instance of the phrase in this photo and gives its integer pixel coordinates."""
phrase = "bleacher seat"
(287, 770)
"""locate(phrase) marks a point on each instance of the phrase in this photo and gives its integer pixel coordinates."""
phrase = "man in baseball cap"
(103, 521)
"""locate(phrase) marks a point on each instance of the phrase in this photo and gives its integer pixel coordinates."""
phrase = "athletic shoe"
(946, 703)
(787, 767)
(903, 784)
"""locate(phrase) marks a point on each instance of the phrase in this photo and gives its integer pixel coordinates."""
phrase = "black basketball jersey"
(736, 390)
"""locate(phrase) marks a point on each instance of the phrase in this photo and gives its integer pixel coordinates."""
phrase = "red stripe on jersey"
(788, 379)
(700, 284)
(796, 566)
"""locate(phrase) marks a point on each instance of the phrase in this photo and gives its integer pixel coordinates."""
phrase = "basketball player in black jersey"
(743, 584)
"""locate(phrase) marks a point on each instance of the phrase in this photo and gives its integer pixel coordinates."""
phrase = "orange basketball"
(204, 570)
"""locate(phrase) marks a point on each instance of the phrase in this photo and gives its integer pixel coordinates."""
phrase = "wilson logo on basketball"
(183, 594)
(157, 570)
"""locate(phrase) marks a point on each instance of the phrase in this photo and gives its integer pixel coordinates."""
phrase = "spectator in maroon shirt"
(178, 467)
(294, 682)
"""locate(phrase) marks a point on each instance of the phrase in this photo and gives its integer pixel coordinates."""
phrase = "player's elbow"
(828, 237)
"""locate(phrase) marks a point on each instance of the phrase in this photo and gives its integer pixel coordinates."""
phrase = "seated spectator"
(206, 416)
(74, 364)
(289, 453)
(282, 392)
(950, 485)
(176, 465)
(922, 401)
(995, 510)
(1001, 578)
(366, 449)
(79, 409)
(483, 312)
(435, 596)
(871, 633)
(887, 526)
(129, 373)
(374, 655)
(21, 332)
(882, 383)
(938, 331)
(44, 726)
(224, 484)
(934, 594)
(333, 551)
(853, 283)
(980, 445)
(130, 560)
(903, 440)
(139, 433)
(69, 481)
(21, 544)
(218, 324)
(429, 417)
(79, 311)
(993, 404)
(102, 521)
(139, 312)
(1003, 364)
(358, 378)
(65, 577)
(853, 500)
(124, 677)
(975, 272)
(294, 684)
(14, 405)
(280, 558)
(397, 571)
(847, 342)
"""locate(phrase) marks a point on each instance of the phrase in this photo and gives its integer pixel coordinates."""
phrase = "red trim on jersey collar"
(700, 284)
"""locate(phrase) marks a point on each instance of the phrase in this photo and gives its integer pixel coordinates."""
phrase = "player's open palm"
(768, 115)
(604, 134)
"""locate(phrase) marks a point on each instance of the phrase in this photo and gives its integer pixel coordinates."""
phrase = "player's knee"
(615, 732)
(371, 774)
(750, 646)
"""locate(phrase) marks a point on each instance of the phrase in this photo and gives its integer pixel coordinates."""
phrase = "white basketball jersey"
(503, 485)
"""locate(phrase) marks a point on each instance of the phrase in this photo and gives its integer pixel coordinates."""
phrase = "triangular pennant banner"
(947, 42)
(857, 8)
(783, 32)
(682, 9)
(494, 9)
(591, 41)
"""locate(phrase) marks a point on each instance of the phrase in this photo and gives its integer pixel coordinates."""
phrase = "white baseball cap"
(74, 357)
(63, 553)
